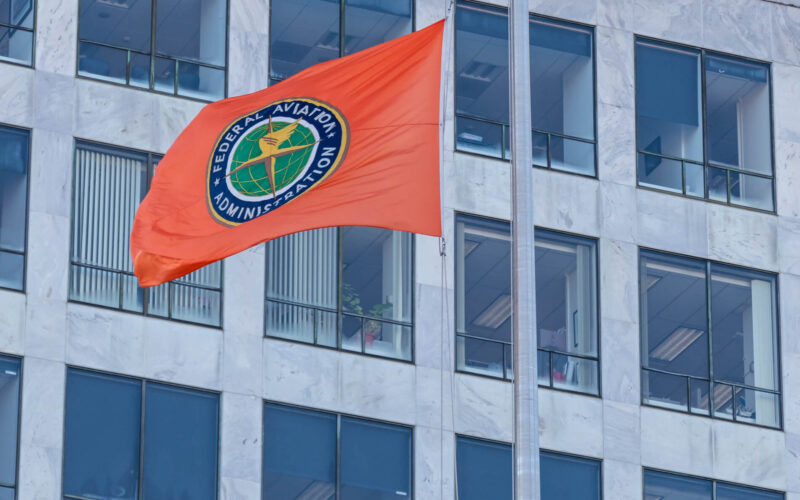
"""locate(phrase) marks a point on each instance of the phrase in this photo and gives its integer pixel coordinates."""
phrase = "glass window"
(105, 438)
(321, 455)
(566, 304)
(181, 50)
(562, 85)
(565, 477)
(734, 373)
(679, 91)
(347, 288)
(307, 32)
(16, 31)
(668, 486)
(10, 374)
(14, 157)
(108, 185)
(484, 469)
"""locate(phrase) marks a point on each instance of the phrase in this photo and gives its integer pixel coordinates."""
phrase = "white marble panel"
(239, 489)
(785, 89)
(428, 12)
(740, 27)
(427, 256)
(41, 429)
(434, 332)
(621, 432)
(183, 353)
(620, 361)
(248, 69)
(107, 340)
(172, 115)
(787, 178)
(566, 202)
(672, 223)
(12, 322)
(785, 34)
(16, 94)
(616, 144)
(44, 328)
(480, 186)
(434, 398)
(615, 14)
(300, 374)
(429, 449)
(48, 256)
(792, 462)
(618, 210)
(622, 480)
(789, 297)
(790, 365)
(742, 237)
(762, 465)
(115, 115)
(249, 15)
(241, 437)
(789, 245)
(677, 442)
(584, 11)
(571, 423)
(57, 36)
(51, 173)
(619, 271)
(615, 67)
(483, 407)
(377, 388)
(676, 20)
(54, 102)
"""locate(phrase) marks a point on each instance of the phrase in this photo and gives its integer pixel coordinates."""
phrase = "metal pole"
(526, 419)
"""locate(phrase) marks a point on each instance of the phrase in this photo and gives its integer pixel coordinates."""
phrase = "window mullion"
(142, 405)
(153, 8)
(338, 457)
(339, 280)
(341, 27)
(710, 343)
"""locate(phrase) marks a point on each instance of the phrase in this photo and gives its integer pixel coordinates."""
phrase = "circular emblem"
(269, 157)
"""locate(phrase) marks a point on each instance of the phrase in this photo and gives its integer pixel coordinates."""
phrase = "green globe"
(253, 180)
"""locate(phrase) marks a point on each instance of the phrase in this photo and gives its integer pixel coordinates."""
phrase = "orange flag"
(349, 142)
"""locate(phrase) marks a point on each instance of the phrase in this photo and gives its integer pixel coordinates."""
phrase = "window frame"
(702, 52)
(32, 31)
(549, 352)
(21, 359)
(505, 129)
(339, 416)
(23, 289)
(708, 263)
(145, 291)
(153, 55)
(342, 35)
(142, 414)
(340, 312)
(714, 482)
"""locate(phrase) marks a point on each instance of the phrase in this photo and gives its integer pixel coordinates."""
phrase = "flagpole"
(526, 420)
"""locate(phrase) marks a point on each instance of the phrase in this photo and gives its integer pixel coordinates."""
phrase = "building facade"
(360, 363)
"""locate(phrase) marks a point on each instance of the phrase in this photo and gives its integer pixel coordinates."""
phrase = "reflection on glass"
(695, 181)
(101, 62)
(665, 390)
(370, 22)
(10, 373)
(14, 154)
(659, 172)
(484, 469)
(479, 137)
(569, 478)
(698, 393)
(16, 45)
(540, 152)
(570, 155)
(107, 23)
(140, 70)
(302, 33)
(191, 29)
(164, 75)
(479, 356)
(731, 492)
(751, 191)
(200, 82)
(669, 486)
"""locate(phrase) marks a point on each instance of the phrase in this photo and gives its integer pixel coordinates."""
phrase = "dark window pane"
(668, 103)
(569, 155)
(101, 436)
(9, 415)
(744, 331)
(751, 191)
(17, 13)
(302, 33)
(180, 443)
(13, 188)
(717, 184)
(124, 23)
(484, 470)
(695, 179)
(484, 357)
(543, 367)
(299, 454)
(672, 486)
(482, 62)
(165, 75)
(140, 70)
(738, 113)
(352, 327)
(730, 492)
(569, 478)
(660, 173)
(192, 29)
(479, 137)
(16, 45)
(370, 22)
(562, 78)
(200, 82)
(376, 273)
(6, 493)
(665, 390)
(724, 400)
(12, 270)
(540, 149)
(101, 62)
(566, 293)
(673, 302)
(376, 460)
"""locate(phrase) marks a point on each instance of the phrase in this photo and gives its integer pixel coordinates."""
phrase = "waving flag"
(349, 142)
